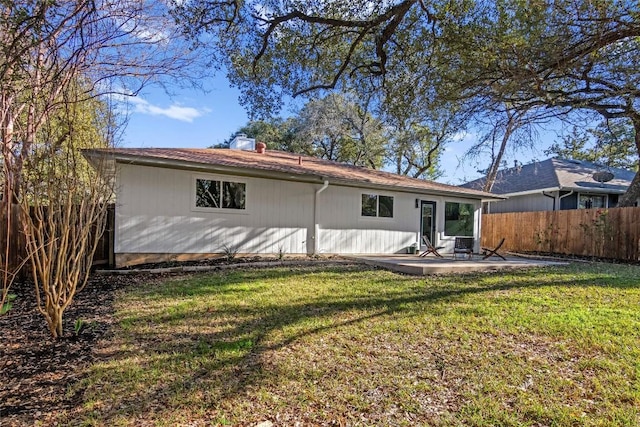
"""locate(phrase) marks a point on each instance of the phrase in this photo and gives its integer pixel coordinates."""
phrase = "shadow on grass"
(227, 363)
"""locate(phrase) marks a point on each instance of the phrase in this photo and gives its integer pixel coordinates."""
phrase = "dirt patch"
(225, 261)
(36, 369)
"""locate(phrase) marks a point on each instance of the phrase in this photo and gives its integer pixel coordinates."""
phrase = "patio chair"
(493, 252)
(430, 248)
(464, 246)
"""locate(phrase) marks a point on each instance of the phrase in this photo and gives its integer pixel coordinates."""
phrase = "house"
(180, 204)
(556, 184)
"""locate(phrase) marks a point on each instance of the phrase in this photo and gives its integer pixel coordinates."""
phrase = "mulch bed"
(35, 369)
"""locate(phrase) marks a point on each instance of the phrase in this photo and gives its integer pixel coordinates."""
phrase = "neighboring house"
(192, 203)
(556, 184)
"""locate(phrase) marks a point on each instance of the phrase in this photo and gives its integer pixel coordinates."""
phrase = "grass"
(350, 346)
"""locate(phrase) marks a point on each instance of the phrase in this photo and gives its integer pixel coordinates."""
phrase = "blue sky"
(193, 119)
(188, 118)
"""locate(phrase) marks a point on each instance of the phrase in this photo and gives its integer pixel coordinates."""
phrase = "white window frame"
(444, 217)
(377, 217)
(604, 196)
(221, 178)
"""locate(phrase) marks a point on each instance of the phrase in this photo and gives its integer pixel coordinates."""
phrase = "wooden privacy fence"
(10, 229)
(603, 233)
(17, 245)
(104, 252)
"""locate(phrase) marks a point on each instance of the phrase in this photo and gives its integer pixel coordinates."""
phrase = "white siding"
(155, 213)
(344, 230)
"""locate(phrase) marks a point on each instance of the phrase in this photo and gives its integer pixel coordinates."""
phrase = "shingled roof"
(279, 165)
(558, 174)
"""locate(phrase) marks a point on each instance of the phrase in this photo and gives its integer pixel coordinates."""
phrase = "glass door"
(427, 221)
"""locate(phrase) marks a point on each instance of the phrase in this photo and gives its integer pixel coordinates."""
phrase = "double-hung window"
(376, 205)
(219, 194)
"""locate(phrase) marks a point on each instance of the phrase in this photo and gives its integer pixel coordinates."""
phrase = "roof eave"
(130, 159)
(564, 188)
(529, 192)
(286, 176)
(416, 190)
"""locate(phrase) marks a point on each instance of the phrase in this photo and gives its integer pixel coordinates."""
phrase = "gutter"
(528, 192)
(565, 195)
(316, 226)
(552, 197)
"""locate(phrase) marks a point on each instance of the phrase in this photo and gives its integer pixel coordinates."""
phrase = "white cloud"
(176, 112)
(463, 136)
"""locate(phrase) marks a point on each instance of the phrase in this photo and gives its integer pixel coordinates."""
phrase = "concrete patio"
(422, 266)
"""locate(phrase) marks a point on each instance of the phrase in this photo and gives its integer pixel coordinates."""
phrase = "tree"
(274, 49)
(563, 56)
(419, 130)
(49, 50)
(337, 128)
(333, 128)
(278, 133)
(414, 150)
(572, 57)
(63, 205)
(49, 46)
(610, 143)
(505, 128)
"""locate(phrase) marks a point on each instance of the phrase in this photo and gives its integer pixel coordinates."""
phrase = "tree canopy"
(562, 57)
(342, 129)
(610, 143)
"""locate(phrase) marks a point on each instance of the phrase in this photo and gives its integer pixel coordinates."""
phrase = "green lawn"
(352, 346)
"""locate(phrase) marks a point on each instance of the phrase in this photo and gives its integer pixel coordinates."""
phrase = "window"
(220, 194)
(369, 205)
(458, 219)
(587, 201)
(385, 206)
(374, 205)
(233, 195)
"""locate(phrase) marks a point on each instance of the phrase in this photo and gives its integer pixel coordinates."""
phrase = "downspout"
(477, 240)
(563, 196)
(316, 227)
(551, 196)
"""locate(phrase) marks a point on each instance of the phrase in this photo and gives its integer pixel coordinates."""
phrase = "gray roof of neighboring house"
(556, 173)
(276, 164)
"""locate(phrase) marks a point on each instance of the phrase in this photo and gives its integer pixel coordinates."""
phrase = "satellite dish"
(602, 176)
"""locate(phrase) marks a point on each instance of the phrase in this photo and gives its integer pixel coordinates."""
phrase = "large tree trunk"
(495, 165)
(633, 192)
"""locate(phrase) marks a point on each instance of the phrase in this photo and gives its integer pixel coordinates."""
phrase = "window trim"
(444, 217)
(221, 178)
(377, 217)
(605, 197)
